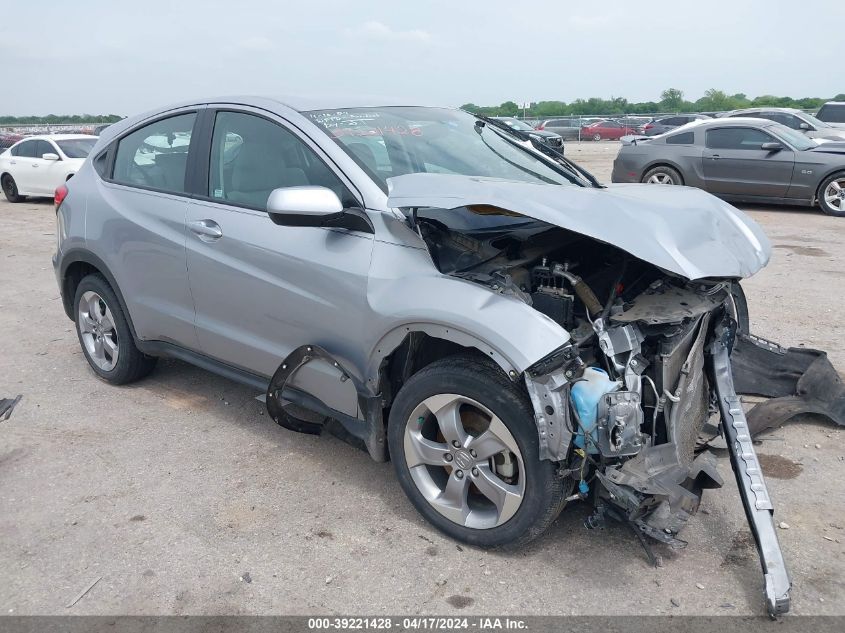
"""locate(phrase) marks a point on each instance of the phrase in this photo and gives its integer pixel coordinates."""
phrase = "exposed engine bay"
(626, 406)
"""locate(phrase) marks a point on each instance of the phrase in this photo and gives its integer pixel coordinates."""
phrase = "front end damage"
(626, 407)
(639, 458)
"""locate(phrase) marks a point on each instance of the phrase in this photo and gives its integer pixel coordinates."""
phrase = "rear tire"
(503, 493)
(105, 336)
(662, 175)
(10, 189)
(832, 195)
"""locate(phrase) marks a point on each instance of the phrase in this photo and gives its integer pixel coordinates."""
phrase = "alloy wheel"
(661, 178)
(464, 461)
(97, 330)
(834, 194)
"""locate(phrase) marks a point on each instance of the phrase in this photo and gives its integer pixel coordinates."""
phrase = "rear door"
(262, 290)
(143, 199)
(735, 164)
(22, 165)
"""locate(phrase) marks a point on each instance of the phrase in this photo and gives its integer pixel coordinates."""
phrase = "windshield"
(793, 137)
(518, 125)
(77, 148)
(393, 141)
(817, 123)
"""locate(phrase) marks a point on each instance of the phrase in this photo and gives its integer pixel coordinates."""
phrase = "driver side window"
(251, 156)
(156, 155)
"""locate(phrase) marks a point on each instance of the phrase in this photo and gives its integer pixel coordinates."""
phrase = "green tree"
(672, 99)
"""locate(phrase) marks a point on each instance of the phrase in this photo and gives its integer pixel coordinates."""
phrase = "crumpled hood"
(679, 229)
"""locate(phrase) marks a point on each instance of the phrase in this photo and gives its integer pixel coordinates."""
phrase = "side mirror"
(50, 156)
(804, 126)
(771, 147)
(314, 207)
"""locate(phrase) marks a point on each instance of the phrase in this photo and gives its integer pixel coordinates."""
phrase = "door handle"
(714, 157)
(208, 230)
(12, 162)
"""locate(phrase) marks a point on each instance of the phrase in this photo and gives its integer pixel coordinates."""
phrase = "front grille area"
(681, 372)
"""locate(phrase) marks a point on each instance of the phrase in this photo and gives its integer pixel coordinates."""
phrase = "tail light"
(648, 126)
(60, 195)
(541, 127)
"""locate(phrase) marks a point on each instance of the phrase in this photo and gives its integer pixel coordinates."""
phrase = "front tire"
(105, 336)
(832, 195)
(465, 450)
(663, 175)
(597, 137)
(10, 189)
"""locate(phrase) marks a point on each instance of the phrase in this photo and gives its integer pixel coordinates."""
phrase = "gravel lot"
(185, 498)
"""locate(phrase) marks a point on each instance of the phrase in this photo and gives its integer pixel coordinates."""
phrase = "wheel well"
(75, 273)
(667, 165)
(417, 350)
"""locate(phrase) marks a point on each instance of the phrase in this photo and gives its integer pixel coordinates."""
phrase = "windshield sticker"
(342, 118)
(396, 130)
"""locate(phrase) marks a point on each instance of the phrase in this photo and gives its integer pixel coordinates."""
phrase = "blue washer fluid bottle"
(586, 394)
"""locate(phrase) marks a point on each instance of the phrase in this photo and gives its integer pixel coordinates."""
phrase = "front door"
(47, 174)
(262, 290)
(734, 163)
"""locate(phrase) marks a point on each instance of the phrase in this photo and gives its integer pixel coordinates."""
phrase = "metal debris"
(83, 592)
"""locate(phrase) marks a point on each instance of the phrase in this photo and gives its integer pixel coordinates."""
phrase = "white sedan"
(37, 165)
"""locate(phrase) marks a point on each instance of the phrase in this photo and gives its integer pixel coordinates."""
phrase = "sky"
(124, 57)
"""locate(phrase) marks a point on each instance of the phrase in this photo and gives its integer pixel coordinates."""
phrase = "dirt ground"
(183, 497)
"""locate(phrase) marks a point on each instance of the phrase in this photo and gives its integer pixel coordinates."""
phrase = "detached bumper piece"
(749, 477)
(797, 380)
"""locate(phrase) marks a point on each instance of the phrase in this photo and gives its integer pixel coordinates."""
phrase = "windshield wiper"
(575, 170)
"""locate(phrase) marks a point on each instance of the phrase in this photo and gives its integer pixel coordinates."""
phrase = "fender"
(75, 255)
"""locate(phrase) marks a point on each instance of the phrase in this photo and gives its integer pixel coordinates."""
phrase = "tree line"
(59, 119)
(671, 100)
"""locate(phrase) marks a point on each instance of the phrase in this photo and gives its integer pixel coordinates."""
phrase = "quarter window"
(156, 155)
(684, 138)
(737, 138)
(251, 156)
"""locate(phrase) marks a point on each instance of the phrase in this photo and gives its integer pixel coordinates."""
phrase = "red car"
(612, 130)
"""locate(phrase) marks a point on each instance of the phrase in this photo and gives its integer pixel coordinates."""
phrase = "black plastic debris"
(7, 405)
(798, 380)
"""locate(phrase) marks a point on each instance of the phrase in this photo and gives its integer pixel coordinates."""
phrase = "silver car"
(511, 334)
(796, 119)
(747, 160)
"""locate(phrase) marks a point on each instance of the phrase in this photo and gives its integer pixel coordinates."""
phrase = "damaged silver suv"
(475, 307)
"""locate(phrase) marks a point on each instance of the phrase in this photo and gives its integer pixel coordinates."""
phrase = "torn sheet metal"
(685, 231)
(797, 380)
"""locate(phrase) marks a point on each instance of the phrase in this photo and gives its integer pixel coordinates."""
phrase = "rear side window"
(685, 138)
(251, 156)
(737, 138)
(26, 149)
(156, 155)
(832, 113)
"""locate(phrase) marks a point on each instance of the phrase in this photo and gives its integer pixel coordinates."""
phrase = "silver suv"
(511, 333)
